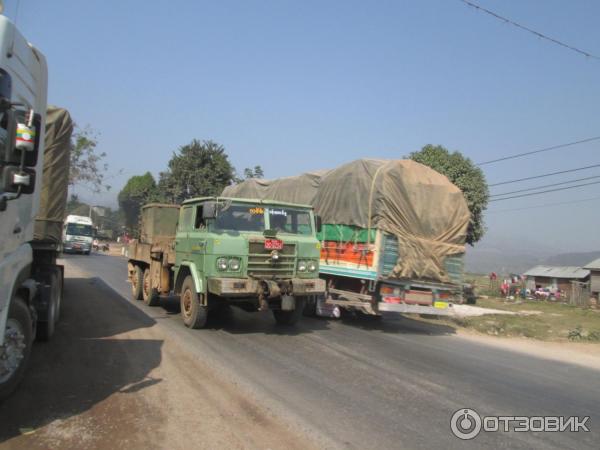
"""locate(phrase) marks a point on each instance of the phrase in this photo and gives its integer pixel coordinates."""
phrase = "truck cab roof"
(253, 201)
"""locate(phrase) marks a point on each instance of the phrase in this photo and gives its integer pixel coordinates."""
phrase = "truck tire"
(18, 337)
(194, 314)
(137, 281)
(149, 294)
(310, 306)
(45, 329)
(289, 318)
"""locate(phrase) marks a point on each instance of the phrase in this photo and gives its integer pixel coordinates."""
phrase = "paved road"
(376, 384)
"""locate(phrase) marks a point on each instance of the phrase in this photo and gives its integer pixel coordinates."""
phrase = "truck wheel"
(310, 307)
(14, 355)
(137, 281)
(290, 317)
(149, 294)
(45, 329)
(193, 313)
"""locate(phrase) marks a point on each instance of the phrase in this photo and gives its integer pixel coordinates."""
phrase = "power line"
(543, 205)
(544, 175)
(544, 192)
(554, 147)
(545, 186)
(537, 33)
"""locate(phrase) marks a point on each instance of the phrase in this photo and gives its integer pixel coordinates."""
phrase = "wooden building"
(555, 277)
(594, 268)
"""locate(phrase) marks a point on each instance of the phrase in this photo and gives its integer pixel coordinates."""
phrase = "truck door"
(182, 241)
(197, 237)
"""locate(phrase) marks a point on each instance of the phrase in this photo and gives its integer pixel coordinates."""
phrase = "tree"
(200, 168)
(87, 166)
(138, 190)
(466, 176)
(256, 173)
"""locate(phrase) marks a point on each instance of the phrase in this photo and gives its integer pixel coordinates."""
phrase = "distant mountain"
(502, 254)
(572, 259)
(502, 258)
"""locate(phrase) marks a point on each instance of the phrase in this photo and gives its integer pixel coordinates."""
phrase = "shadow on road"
(397, 324)
(84, 363)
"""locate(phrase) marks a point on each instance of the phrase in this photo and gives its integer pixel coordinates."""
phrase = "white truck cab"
(78, 234)
(30, 279)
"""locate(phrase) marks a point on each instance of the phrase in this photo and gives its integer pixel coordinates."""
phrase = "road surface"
(120, 374)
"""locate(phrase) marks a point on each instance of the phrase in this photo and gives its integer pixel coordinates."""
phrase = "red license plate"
(273, 244)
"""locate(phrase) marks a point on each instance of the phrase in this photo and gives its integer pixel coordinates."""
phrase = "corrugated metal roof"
(595, 264)
(557, 272)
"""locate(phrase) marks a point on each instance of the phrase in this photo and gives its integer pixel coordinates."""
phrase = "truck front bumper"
(251, 287)
(77, 247)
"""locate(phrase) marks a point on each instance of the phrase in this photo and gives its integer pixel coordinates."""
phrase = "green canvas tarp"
(55, 176)
(427, 213)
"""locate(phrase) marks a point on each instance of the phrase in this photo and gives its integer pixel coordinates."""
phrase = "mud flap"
(288, 303)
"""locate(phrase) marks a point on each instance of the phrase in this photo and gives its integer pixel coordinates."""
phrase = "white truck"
(78, 234)
(33, 190)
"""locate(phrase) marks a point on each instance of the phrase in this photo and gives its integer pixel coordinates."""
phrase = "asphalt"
(357, 383)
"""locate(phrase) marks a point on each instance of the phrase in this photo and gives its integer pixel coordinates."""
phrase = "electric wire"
(554, 147)
(544, 192)
(544, 175)
(545, 186)
(536, 33)
(545, 205)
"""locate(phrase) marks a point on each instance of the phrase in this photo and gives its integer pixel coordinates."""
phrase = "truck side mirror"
(209, 210)
(318, 223)
(15, 180)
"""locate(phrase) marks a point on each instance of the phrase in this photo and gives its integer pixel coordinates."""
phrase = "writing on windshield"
(79, 229)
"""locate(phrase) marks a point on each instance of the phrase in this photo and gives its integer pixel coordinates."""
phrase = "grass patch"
(542, 320)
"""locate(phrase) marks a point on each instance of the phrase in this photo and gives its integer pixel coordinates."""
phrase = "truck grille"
(260, 264)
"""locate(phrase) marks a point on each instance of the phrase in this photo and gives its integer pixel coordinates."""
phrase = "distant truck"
(393, 235)
(215, 252)
(34, 177)
(78, 234)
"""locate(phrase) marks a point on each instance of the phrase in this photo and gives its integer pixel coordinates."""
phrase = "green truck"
(214, 252)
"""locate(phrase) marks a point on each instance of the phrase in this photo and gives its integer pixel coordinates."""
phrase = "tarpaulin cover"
(55, 177)
(427, 213)
(298, 189)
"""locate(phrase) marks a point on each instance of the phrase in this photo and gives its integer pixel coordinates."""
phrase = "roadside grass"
(543, 320)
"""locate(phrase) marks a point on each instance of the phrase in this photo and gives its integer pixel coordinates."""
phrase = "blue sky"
(296, 86)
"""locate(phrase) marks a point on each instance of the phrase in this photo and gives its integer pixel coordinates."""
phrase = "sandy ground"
(581, 354)
(121, 383)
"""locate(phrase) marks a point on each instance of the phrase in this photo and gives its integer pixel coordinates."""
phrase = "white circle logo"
(465, 424)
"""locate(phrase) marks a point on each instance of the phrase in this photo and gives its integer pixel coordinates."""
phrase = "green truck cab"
(254, 254)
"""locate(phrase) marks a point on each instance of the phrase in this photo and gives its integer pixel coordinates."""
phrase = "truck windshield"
(241, 218)
(79, 229)
(289, 220)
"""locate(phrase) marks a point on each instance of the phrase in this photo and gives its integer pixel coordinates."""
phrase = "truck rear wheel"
(14, 355)
(137, 281)
(194, 314)
(290, 317)
(45, 329)
(149, 294)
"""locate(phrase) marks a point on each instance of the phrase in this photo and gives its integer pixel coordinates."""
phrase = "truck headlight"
(222, 264)
(234, 264)
(312, 266)
(301, 266)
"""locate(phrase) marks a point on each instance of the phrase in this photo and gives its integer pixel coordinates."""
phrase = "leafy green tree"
(138, 190)
(469, 178)
(257, 172)
(200, 168)
(87, 165)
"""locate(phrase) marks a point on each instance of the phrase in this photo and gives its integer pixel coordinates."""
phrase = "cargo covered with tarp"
(55, 176)
(420, 207)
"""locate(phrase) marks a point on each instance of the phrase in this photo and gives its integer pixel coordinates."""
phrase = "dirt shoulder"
(111, 378)
(549, 330)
